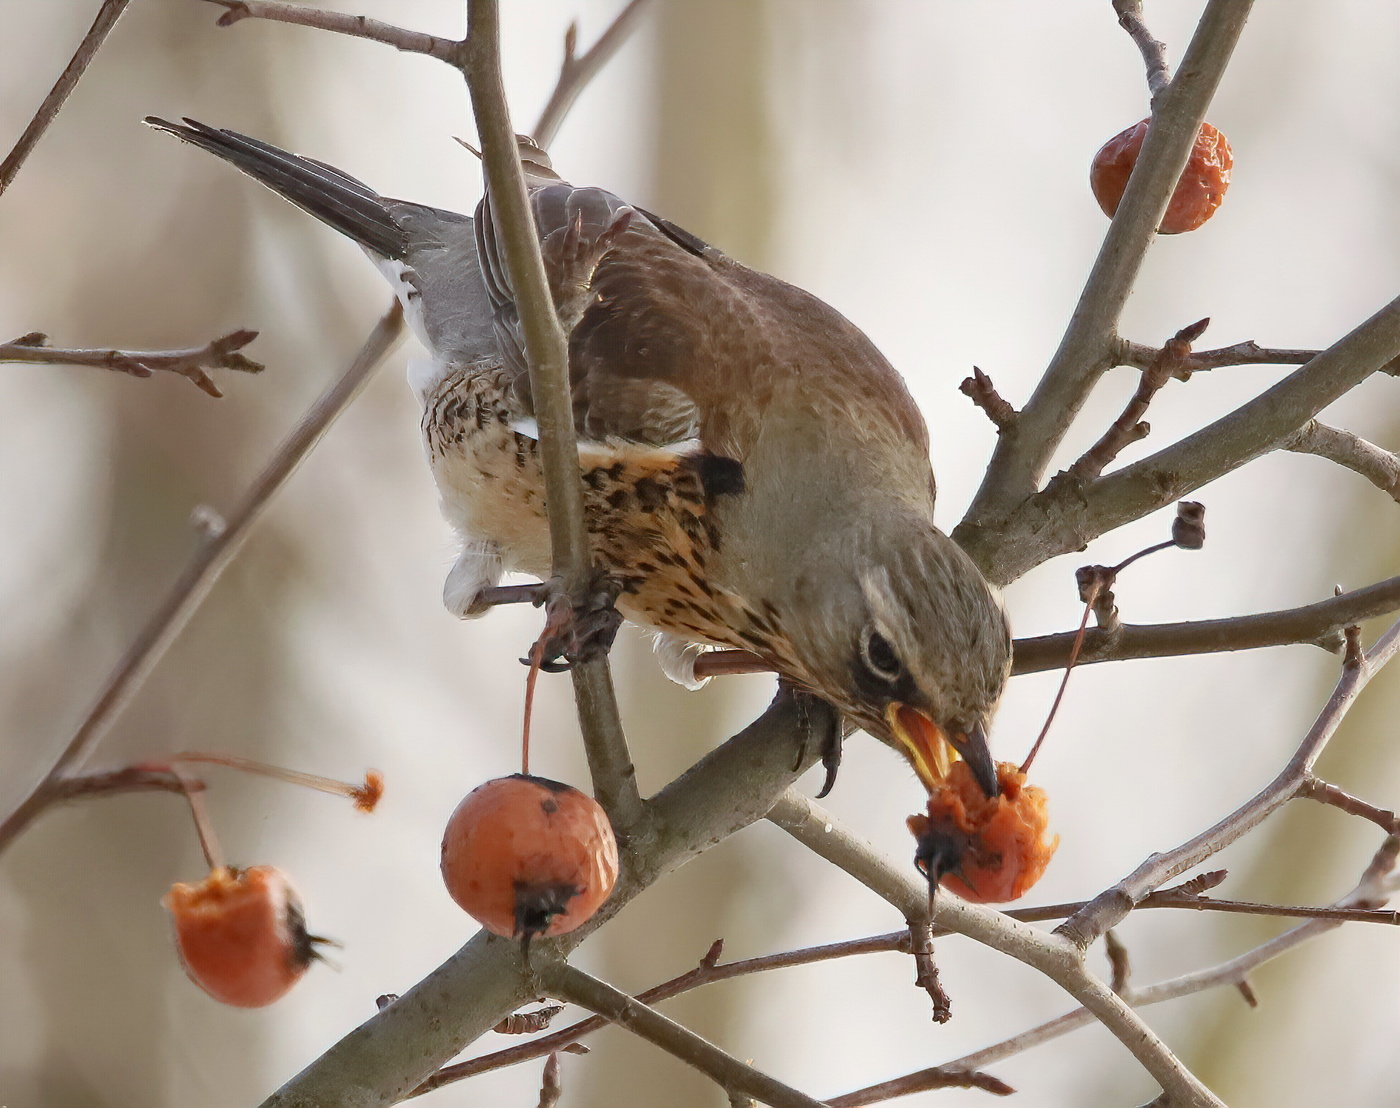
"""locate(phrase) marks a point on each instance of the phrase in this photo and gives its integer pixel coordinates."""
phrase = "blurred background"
(922, 166)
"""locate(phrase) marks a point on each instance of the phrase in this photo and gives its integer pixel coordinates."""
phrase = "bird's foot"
(575, 633)
(820, 724)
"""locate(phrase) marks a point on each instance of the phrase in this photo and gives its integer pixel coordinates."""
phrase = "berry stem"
(199, 812)
(1090, 597)
(365, 796)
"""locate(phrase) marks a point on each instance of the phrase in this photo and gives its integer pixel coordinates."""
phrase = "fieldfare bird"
(756, 475)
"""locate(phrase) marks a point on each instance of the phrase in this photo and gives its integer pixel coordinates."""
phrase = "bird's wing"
(670, 339)
(429, 255)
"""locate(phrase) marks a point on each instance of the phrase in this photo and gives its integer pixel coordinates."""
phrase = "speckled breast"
(646, 507)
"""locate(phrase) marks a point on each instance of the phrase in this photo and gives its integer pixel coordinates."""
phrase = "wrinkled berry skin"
(1198, 193)
(527, 856)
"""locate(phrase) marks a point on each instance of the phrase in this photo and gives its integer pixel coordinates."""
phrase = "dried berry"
(985, 850)
(528, 856)
(1198, 193)
(241, 934)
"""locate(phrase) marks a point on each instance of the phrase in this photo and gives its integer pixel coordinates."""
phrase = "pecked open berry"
(1200, 190)
(528, 856)
(241, 934)
(985, 850)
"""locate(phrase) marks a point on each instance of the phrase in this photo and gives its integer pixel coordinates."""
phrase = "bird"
(756, 474)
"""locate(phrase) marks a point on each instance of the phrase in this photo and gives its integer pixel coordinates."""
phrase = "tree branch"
(609, 761)
(979, 389)
(1063, 963)
(220, 353)
(1241, 353)
(1019, 462)
(577, 70)
(1069, 514)
(209, 562)
(446, 50)
(385, 1059)
(1346, 448)
(1154, 53)
(1375, 885)
(1317, 624)
(107, 16)
(733, 1076)
(1110, 906)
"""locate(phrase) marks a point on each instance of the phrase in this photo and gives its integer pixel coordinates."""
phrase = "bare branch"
(1128, 428)
(1069, 514)
(822, 833)
(446, 50)
(609, 761)
(1346, 448)
(220, 353)
(1120, 964)
(550, 1089)
(1018, 465)
(1317, 624)
(939, 1077)
(569, 983)
(1241, 353)
(107, 16)
(926, 969)
(208, 563)
(1112, 905)
(979, 389)
(1314, 788)
(1154, 53)
(390, 1055)
(1375, 885)
(577, 70)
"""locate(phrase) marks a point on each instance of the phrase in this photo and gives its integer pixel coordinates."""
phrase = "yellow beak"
(932, 750)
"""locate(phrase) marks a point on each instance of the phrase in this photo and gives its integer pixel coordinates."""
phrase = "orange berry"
(985, 850)
(1198, 193)
(526, 856)
(241, 934)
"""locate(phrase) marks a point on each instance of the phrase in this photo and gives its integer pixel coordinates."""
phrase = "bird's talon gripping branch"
(819, 724)
(575, 633)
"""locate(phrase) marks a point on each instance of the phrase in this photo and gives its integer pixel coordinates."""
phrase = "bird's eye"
(879, 656)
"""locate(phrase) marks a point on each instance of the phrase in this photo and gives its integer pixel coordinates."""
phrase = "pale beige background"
(919, 163)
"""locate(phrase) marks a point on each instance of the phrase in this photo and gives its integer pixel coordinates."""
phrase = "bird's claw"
(575, 633)
(818, 720)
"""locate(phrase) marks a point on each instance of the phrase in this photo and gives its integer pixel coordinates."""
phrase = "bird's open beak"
(931, 748)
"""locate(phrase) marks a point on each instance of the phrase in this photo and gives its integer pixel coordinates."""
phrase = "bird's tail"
(335, 198)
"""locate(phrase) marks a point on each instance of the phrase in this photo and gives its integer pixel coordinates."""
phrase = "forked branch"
(220, 353)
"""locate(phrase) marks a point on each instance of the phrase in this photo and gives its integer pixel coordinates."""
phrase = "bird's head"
(911, 642)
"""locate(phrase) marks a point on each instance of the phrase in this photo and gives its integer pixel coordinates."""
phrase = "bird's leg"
(819, 722)
(575, 632)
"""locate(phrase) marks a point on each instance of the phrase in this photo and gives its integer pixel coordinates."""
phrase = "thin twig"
(1317, 624)
(1375, 885)
(357, 26)
(926, 969)
(1154, 53)
(1119, 962)
(1129, 427)
(550, 1088)
(220, 353)
(208, 563)
(570, 983)
(939, 1077)
(609, 761)
(1241, 353)
(1110, 906)
(1019, 462)
(708, 972)
(1314, 788)
(576, 70)
(823, 834)
(1379, 466)
(979, 389)
(107, 16)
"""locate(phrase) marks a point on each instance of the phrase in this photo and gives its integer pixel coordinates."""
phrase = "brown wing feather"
(672, 340)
